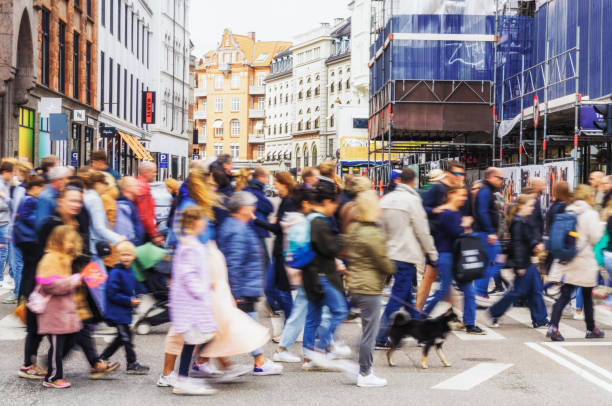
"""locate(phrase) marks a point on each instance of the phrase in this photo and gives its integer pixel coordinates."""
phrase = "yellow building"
(230, 97)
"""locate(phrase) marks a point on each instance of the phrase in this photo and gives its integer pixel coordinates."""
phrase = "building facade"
(280, 112)
(170, 133)
(125, 71)
(230, 96)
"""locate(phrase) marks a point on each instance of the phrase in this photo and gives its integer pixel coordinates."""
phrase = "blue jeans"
(481, 286)
(276, 298)
(334, 300)
(258, 351)
(15, 265)
(295, 323)
(527, 286)
(445, 267)
(4, 249)
(402, 290)
(579, 299)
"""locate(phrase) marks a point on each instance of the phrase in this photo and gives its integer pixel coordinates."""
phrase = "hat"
(436, 175)
(395, 174)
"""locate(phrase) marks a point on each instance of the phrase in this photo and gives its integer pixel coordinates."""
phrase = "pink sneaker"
(57, 384)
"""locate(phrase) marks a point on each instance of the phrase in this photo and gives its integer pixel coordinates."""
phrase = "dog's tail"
(400, 318)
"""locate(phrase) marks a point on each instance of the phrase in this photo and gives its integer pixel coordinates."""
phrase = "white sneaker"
(233, 372)
(370, 381)
(166, 380)
(482, 301)
(192, 387)
(205, 370)
(268, 368)
(578, 315)
(285, 356)
(341, 350)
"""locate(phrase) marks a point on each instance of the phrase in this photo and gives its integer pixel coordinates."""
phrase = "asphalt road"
(512, 365)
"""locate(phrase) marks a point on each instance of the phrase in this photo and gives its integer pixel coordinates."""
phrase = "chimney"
(338, 21)
(251, 35)
(324, 25)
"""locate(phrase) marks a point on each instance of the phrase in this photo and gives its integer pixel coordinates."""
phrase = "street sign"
(58, 126)
(74, 159)
(78, 115)
(536, 110)
(108, 132)
(196, 157)
(162, 161)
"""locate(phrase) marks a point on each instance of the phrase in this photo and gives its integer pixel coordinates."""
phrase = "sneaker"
(268, 368)
(57, 384)
(497, 292)
(370, 381)
(192, 387)
(483, 301)
(102, 369)
(382, 346)
(165, 381)
(595, 333)
(205, 370)
(137, 369)
(554, 334)
(542, 324)
(578, 315)
(12, 299)
(285, 356)
(232, 373)
(31, 372)
(491, 321)
(340, 350)
(312, 366)
(475, 330)
(458, 327)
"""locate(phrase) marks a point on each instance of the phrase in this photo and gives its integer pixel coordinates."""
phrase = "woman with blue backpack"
(579, 268)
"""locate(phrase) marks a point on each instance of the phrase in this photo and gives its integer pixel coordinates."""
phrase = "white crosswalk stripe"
(472, 377)
(11, 329)
(522, 315)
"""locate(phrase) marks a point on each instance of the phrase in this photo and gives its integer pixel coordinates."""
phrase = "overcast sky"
(271, 20)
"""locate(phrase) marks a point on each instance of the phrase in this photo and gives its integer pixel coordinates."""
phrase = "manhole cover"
(479, 359)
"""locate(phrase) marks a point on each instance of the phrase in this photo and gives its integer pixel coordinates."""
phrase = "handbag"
(20, 311)
(37, 302)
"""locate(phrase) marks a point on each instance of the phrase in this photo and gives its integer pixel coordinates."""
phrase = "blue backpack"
(563, 237)
(298, 252)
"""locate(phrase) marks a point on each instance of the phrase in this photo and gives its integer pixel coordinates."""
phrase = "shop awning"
(259, 125)
(218, 124)
(140, 152)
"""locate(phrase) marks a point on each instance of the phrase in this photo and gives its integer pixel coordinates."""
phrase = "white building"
(280, 113)
(171, 43)
(125, 69)
(361, 11)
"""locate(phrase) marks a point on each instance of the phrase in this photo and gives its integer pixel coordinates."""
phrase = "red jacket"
(146, 208)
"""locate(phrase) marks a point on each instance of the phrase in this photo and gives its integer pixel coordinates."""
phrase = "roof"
(344, 30)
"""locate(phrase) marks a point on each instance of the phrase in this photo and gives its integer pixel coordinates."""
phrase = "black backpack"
(469, 258)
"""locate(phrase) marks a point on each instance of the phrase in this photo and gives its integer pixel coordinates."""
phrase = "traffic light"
(605, 124)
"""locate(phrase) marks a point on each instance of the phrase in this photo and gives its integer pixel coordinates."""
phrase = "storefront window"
(26, 134)
(44, 138)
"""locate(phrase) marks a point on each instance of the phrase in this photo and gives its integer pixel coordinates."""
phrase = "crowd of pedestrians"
(73, 243)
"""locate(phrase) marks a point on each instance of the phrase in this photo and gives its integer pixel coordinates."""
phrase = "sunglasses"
(458, 173)
(500, 177)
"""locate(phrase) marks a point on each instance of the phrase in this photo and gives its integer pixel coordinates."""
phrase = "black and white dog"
(430, 332)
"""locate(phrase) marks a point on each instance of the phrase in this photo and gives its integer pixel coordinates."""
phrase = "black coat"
(523, 241)
(536, 219)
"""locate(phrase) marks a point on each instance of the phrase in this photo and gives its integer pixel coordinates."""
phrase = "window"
(219, 105)
(314, 155)
(260, 78)
(317, 90)
(89, 7)
(138, 39)
(148, 43)
(75, 65)
(340, 86)
(125, 94)
(119, 20)
(88, 72)
(119, 90)
(218, 149)
(204, 106)
(235, 81)
(348, 84)
(136, 107)
(235, 151)
(330, 142)
(102, 81)
(219, 82)
(317, 52)
(110, 85)
(331, 121)
(218, 126)
(235, 104)
(300, 95)
(316, 123)
(286, 128)
(235, 124)
(305, 155)
(131, 97)
(125, 26)
(203, 130)
(112, 8)
(262, 58)
(300, 125)
(308, 124)
(261, 103)
(297, 157)
(142, 57)
(132, 29)
(61, 70)
(103, 11)
(261, 148)
(332, 88)
(44, 51)
(309, 93)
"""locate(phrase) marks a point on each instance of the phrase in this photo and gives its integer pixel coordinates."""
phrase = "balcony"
(256, 138)
(199, 115)
(201, 139)
(257, 90)
(225, 67)
(199, 92)
(257, 113)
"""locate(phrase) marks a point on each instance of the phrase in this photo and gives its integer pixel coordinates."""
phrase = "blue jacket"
(486, 216)
(244, 257)
(210, 233)
(24, 229)
(263, 208)
(47, 203)
(113, 173)
(120, 289)
(127, 221)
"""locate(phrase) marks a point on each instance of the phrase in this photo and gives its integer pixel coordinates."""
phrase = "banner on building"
(148, 107)
(58, 127)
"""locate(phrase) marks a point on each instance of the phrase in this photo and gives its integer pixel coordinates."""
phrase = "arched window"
(301, 82)
(331, 121)
(317, 77)
(332, 88)
(287, 98)
(309, 93)
(348, 83)
(274, 131)
(316, 123)
(300, 95)
(308, 124)
(275, 100)
(314, 155)
(340, 86)
(300, 112)
(317, 90)
(300, 125)
(308, 111)
(305, 155)
(297, 156)
(308, 80)
(286, 128)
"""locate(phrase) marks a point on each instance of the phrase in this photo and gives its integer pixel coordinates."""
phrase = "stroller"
(152, 268)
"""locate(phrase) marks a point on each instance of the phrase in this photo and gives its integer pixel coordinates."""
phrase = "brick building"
(66, 81)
